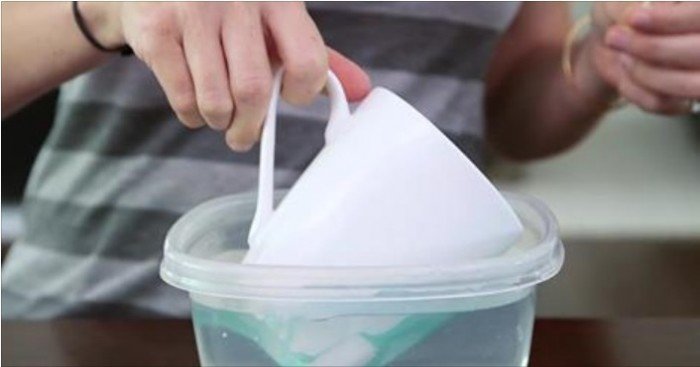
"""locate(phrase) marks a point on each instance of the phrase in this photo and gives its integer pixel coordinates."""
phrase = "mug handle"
(339, 111)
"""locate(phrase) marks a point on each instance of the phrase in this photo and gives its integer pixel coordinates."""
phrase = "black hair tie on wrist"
(124, 50)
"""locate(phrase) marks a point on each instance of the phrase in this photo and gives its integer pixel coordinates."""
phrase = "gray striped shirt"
(118, 169)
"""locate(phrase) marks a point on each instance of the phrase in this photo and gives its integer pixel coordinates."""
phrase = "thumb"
(355, 81)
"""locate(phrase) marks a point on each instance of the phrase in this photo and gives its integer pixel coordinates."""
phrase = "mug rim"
(376, 283)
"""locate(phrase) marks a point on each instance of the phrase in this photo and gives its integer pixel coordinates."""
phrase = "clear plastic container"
(478, 313)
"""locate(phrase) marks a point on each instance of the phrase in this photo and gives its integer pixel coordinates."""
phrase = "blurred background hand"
(649, 52)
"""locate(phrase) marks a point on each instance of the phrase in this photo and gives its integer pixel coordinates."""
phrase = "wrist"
(103, 21)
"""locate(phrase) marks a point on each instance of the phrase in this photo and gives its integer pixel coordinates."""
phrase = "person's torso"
(118, 169)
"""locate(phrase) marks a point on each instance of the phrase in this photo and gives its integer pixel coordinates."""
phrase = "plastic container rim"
(474, 279)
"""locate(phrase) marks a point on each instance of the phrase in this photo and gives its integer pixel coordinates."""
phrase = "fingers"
(677, 51)
(356, 83)
(672, 82)
(607, 13)
(301, 50)
(660, 55)
(672, 17)
(606, 63)
(213, 61)
(208, 69)
(250, 76)
(650, 101)
(170, 68)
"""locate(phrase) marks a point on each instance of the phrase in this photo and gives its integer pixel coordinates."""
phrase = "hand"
(659, 49)
(597, 68)
(648, 52)
(214, 60)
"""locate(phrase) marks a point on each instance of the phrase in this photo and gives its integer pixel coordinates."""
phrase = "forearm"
(41, 48)
(537, 112)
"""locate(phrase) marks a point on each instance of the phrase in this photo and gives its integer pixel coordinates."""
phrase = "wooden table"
(630, 342)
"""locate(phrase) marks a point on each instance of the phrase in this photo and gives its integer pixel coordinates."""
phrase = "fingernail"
(240, 147)
(219, 124)
(618, 38)
(626, 61)
(641, 18)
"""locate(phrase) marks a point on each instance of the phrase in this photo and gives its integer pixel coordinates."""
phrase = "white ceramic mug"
(388, 188)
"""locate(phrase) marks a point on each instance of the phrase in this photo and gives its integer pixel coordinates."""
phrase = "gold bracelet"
(567, 65)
